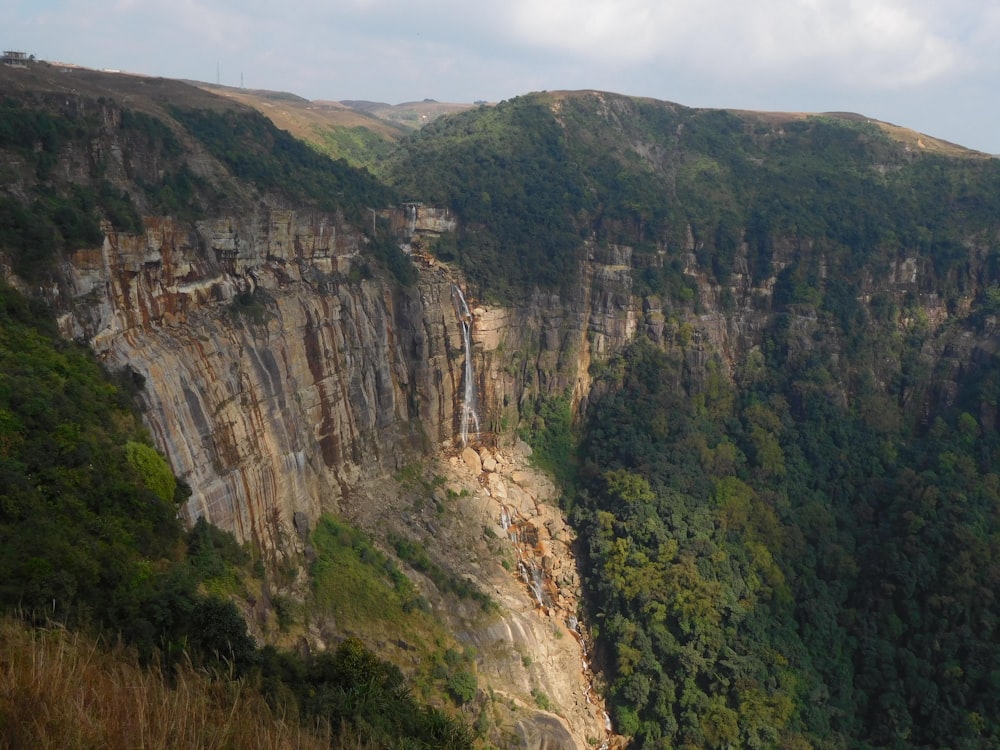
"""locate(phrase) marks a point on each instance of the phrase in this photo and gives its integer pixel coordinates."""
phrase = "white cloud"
(941, 58)
(879, 43)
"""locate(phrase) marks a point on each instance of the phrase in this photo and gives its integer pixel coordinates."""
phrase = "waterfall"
(469, 414)
(505, 520)
(532, 576)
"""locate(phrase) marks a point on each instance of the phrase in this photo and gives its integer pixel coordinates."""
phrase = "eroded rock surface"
(502, 530)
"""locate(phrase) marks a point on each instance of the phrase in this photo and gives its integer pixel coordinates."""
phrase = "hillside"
(360, 132)
(662, 179)
(296, 370)
(756, 351)
(785, 484)
(355, 135)
(410, 115)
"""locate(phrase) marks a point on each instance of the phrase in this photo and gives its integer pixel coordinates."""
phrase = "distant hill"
(657, 175)
(410, 115)
(337, 130)
(358, 131)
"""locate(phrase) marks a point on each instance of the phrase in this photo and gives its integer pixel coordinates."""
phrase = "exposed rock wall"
(275, 377)
(272, 382)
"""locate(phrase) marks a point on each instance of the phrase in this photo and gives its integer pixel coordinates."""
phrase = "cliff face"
(276, 378)
(272, 383)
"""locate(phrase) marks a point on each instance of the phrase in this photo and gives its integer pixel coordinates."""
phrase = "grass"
(60, 689)
(371, 598)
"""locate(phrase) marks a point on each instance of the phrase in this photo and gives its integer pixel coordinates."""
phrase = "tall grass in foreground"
(60, 689)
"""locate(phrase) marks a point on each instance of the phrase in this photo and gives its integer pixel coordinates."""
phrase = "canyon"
(285, 374)
(281, 386)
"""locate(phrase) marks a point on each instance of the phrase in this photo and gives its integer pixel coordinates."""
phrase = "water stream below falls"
(545, 592)
(534, 564)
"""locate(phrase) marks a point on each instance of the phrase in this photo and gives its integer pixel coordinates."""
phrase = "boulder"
(472, 460)
(496, 486)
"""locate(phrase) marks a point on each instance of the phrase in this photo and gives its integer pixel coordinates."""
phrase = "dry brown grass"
(304, 119)
(61, 690)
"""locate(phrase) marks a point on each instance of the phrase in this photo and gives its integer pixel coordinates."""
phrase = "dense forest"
(769, 567)
(536, 177)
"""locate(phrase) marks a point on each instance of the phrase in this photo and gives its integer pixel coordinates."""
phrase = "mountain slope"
(786, 486)
(663, 178)
(332, 128)
(295, 364)
(776, 335)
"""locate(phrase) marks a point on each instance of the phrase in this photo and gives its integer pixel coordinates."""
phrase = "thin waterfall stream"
(469, 416)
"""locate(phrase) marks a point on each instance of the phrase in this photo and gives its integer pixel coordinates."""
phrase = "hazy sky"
(926, 64)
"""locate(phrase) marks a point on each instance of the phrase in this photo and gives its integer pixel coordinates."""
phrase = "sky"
(929, 65)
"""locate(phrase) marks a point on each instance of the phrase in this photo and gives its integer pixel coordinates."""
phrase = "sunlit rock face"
(275, 376)
(272, 381)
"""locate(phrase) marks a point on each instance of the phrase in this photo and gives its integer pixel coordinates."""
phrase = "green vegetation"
(350, 686)
(254, 150)
(541, 699)
(413, 553)
(32, 233)
(799, 560)
(550, 433)
(506, 173)
(770, 567)
(387, 253)
(252, 305)
(371, 597)
(66, 214)
(359, 146)
(365, 588)
(534, 178)
(153, 469)
(79, 521)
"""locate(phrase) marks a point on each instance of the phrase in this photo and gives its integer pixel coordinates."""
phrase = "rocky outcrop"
(494, 522)
(547, 345)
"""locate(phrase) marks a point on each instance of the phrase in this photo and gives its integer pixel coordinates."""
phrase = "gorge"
(755, 359)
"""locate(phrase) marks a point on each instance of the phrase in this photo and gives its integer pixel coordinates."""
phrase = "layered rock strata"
(276, 376)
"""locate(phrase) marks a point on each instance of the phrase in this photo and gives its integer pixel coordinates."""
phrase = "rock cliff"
(282, 383)
(276, 378)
